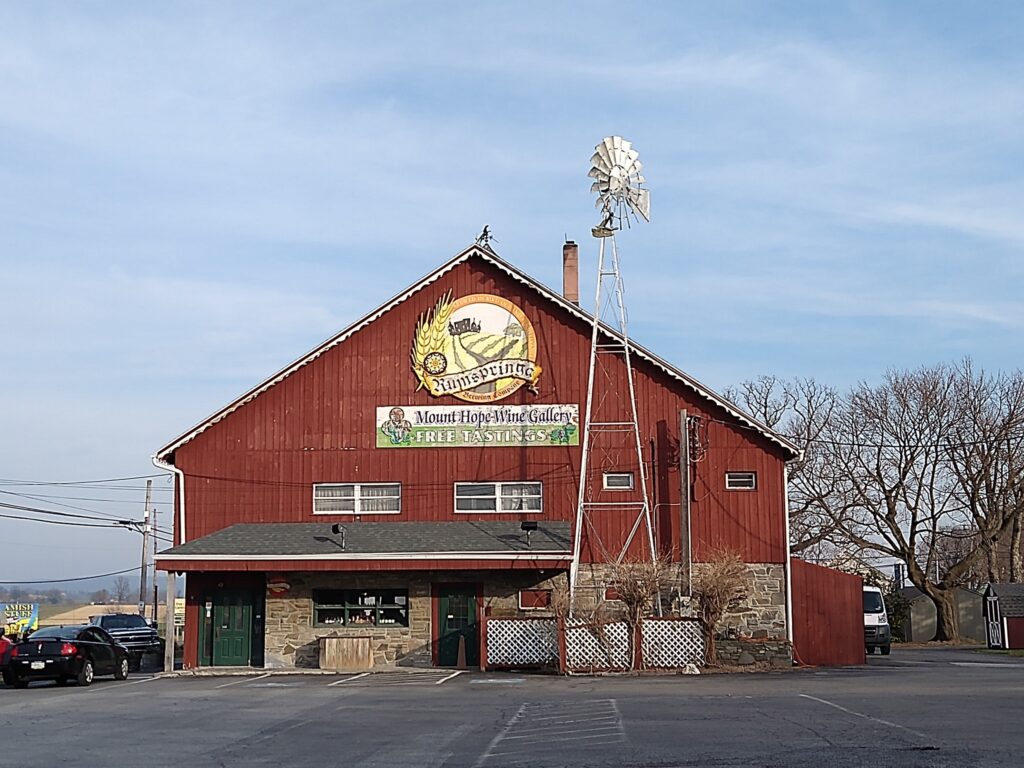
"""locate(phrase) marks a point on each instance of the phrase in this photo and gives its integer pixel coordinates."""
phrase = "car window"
(122, 622)
(62, 633)
(101, 635)
(873, 602)
(91, 635)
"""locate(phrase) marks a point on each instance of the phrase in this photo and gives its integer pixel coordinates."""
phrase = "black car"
(67, 654)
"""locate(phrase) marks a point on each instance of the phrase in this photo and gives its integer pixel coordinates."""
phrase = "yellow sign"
(478, 348)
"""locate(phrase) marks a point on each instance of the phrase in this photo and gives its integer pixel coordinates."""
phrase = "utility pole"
(145, 553)
(156, 546)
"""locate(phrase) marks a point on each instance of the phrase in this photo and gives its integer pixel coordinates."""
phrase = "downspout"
(180, 486)
(788, 565)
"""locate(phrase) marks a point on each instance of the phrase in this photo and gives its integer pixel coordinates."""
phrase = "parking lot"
(914, 708)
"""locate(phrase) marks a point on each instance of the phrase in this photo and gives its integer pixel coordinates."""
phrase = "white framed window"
(741, 481)
(499, 497)
(357, 498)
(617, 481)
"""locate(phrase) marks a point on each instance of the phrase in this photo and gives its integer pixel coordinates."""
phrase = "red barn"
(376, 489)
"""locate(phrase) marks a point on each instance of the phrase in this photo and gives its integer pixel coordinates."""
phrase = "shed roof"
(290, 541)
(1011, 598)
(487, 255)
(913, 593)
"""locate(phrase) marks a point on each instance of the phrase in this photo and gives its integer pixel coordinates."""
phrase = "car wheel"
(135, 663)
(86, 675)
(870, 649)
(886, 649)
(8, 677)
(121, 673)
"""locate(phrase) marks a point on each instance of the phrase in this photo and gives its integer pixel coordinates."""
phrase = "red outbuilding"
(375, 490)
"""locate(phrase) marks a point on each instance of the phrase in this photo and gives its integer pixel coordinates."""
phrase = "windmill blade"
(640, 202)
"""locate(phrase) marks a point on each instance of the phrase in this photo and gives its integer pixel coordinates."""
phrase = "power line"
(110, 526)
(40, 496)
(38, 510)
(77, 578)
(8, 481)
(61, 504)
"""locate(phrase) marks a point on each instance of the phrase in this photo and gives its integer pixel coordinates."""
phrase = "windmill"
(610, 427)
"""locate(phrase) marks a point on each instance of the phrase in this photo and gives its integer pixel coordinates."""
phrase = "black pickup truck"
(133, 632)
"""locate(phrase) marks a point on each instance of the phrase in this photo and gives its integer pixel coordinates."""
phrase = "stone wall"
(741, 653)
(761, 614)
(292, 640)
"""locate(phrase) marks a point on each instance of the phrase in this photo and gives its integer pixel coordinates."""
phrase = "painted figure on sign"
(397, 427)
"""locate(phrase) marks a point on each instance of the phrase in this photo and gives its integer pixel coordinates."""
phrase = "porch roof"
(385, 541)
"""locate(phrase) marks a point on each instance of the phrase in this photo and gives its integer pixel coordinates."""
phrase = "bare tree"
(924, 452)
(122, 590)
(719, 585)
(802, 410)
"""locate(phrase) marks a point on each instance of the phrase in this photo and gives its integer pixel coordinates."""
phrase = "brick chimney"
(571, 272)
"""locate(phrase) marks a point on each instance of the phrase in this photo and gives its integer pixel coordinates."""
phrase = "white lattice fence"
(602, 646)
(672, 643)
(522, 642)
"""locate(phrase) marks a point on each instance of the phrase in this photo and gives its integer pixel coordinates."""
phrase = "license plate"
(38, 664)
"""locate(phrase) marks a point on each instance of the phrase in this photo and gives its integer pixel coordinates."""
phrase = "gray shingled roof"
(249, 539)
(1011, 598)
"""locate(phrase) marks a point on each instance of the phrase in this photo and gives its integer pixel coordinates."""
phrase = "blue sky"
(193, 195)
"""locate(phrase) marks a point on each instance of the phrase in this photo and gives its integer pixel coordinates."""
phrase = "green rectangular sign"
(477, 426)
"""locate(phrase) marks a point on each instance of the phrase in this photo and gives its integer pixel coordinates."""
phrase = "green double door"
(457, 620)
(228, 629)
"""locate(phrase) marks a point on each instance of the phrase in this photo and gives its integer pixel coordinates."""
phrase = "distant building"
(920, 625)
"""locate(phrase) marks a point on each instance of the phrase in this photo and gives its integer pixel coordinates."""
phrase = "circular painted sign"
(478, 348)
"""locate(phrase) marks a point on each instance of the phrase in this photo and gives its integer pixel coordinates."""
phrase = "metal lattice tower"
(610, 427)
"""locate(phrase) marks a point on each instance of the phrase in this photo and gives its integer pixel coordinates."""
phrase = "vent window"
(741, 481)
(618, 481)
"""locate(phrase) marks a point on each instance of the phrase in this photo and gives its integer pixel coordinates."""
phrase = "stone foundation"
(741, 653)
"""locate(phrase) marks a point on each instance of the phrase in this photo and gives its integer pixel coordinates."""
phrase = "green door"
(457, 618)
(232, 629)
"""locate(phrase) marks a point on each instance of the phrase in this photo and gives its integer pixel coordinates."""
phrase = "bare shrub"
(719, 585)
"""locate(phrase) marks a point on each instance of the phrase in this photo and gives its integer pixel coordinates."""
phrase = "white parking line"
(449, 677)
(137, 682)
(347, 680)
(243, 680)
(866, 717)
(532, 730)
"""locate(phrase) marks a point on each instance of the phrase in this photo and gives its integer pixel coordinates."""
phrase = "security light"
(529, 526)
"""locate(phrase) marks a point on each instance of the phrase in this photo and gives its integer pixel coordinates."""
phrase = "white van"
(876, 622)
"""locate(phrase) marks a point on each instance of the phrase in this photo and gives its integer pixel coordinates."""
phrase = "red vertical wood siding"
(258, 464)
(1014, 633)
(828, 615)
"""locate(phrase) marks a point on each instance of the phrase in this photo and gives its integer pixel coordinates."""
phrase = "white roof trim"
(492, 258)
(533, 555)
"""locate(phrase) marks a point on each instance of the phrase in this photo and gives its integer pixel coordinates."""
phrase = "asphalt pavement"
(916, 708)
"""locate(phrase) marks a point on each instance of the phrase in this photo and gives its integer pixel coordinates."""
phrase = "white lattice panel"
(522, 642)
(597, 647)
(672, 644)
